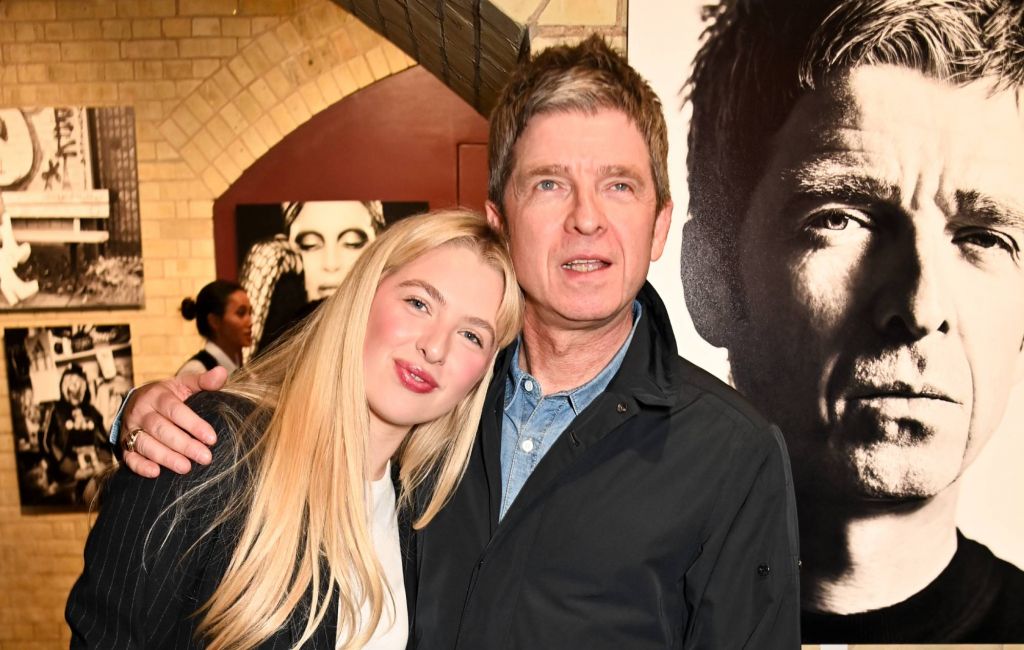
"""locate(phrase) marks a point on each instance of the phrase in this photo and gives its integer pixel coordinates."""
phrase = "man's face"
(580, 217)
(330, 236)
(881, 271)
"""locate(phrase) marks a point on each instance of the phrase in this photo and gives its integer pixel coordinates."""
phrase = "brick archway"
(274, 84)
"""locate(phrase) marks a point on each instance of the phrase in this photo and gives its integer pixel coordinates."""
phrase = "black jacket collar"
(646, 377)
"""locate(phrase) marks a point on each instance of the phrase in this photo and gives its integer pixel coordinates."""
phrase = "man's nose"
(587, 216)
(915, 300)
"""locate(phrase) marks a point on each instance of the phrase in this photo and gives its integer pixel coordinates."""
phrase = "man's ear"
(662, 223)
(494, 217)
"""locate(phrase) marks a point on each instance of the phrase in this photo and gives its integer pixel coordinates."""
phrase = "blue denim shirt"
(532, 421)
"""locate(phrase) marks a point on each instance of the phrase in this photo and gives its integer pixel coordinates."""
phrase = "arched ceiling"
(470, 45)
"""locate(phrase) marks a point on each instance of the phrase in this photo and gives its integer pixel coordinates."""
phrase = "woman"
(223, 317)
(287, 276)
(289, 537)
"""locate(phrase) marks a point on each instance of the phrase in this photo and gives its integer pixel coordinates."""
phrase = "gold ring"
(129, 441)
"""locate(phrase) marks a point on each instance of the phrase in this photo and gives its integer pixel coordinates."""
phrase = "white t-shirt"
(392, 631)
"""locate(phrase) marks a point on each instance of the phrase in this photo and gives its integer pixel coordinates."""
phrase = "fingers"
(157, 406)
(138, 464)
(213, 379)
(151, 454)
(189, 384)
(172, 433)
(183, 386)
(167, 439)
(172, 417)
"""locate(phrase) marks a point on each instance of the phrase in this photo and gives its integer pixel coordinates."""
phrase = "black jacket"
(135, 593)
(663, 517)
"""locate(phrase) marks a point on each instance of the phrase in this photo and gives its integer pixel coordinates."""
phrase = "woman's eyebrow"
(482, 324)
(439, 298)
(431, 290)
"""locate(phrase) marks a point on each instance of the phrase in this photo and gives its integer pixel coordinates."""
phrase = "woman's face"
(330, 236)
(234, 328)
(430, 336)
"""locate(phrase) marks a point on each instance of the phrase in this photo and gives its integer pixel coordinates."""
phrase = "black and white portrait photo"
(296, 254)
(69, 202)
(850, 260)
(66, 385)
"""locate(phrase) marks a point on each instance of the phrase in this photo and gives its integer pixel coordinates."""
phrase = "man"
(617, 496)
(858, 218)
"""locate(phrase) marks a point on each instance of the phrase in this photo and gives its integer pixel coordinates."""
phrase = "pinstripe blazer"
(142, 583)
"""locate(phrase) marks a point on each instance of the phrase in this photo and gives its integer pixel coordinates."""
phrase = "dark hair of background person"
(212, 299)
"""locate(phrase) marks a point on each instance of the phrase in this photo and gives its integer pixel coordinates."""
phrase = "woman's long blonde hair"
(303, 499)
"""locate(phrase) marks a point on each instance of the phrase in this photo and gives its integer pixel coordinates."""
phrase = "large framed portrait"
(846, 253)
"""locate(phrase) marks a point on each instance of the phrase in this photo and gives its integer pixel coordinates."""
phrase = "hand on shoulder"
(159, 430)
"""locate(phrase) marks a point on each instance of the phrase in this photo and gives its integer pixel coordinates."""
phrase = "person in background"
(223, 317)
(290, 539)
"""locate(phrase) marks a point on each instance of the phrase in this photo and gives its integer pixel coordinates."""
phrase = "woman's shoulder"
(221, 408)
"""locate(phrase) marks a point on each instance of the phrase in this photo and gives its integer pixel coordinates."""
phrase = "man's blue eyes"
(548, 185)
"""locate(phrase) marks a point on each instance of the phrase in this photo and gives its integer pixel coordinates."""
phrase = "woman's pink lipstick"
(414, 378)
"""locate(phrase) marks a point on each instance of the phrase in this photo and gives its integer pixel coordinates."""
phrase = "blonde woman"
(289, 538)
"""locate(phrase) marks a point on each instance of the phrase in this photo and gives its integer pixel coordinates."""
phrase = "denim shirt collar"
(581, 396)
